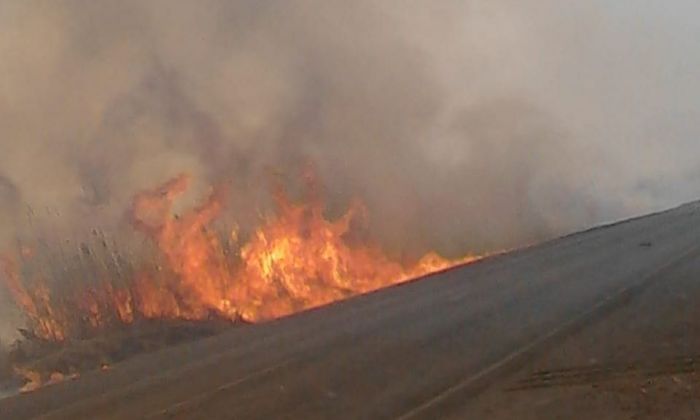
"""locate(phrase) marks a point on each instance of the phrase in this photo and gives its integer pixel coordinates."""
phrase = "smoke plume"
(463, 125)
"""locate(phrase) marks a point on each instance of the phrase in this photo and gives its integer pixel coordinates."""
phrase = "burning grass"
(99, 304)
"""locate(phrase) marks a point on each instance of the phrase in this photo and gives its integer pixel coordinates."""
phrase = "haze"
(464, 125)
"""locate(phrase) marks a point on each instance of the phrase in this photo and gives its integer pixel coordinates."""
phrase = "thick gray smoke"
(464, 125)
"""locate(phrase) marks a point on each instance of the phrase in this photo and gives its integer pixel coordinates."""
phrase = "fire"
(36, 303)
(296, 259)
(34, 380)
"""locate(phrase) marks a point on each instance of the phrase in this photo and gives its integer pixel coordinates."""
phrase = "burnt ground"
(642, 361)
(45, 359)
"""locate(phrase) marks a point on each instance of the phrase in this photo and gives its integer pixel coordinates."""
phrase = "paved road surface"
(402, 353)
(638, 362)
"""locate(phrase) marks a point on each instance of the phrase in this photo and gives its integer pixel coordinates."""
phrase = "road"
(638, 362)
(406, 352)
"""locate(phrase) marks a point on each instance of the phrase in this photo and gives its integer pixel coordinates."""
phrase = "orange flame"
(34, 379)
(46, 321)
(295, 260)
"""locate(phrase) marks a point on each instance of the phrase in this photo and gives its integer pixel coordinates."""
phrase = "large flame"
(296, 259)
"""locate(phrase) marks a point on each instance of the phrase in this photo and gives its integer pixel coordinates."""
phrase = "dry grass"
(66, 268)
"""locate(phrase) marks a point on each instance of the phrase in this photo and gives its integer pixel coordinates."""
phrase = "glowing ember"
(295, 260)
(34, 380)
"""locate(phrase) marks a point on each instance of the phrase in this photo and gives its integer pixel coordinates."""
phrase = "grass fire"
(200, 278)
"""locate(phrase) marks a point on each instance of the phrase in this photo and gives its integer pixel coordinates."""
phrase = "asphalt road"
(406, 352)
(640, 361)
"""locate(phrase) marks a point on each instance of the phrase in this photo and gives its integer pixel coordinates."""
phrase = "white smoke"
(464, 125)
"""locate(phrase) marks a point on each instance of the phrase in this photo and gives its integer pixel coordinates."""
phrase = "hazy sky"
(465, 125)
(462, 124)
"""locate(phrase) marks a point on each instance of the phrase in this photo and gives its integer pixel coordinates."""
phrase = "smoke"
(5, 369)
(464, 125)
